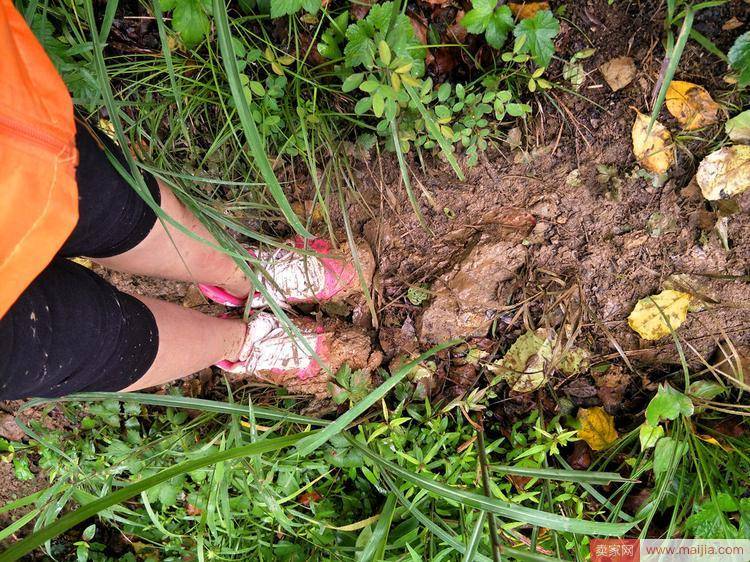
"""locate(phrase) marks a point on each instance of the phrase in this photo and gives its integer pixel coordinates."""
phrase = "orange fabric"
(38, 193)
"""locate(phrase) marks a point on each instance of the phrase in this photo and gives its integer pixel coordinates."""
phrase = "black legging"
(70, 330)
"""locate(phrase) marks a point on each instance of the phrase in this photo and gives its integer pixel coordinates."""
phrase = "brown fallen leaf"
(360, 9)
(611, 387)
(420, 29)
(527, 9)
(731, 24)
(580, 458)
(691, 105)
(190, 509)
(306, 498)
(519, 482)
(597, 428)
(618, 72)
(456, 31)
(653, 150)
(725, 172)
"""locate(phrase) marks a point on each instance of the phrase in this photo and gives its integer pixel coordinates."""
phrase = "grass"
(232, 125)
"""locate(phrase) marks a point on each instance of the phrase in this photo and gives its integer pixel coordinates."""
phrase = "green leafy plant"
(289, 7)
(535, 34)
(384, 24)
(485, 16)
(348, 385)
(739, 59)
(190, 19)
(329, 45)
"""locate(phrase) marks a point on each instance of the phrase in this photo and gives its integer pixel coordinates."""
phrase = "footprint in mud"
(466, 298)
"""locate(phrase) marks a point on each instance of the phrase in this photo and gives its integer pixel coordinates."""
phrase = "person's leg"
(71, 331)
(120, 231)
(188, 342)
(171, 254)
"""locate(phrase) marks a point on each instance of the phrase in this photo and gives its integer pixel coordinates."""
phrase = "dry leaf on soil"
(527, 9)
(618, 72)
(524, 364)
(653, 150)
(597, 428)
(691, 105)
(738, 127)
(648, 315)
(725, 173)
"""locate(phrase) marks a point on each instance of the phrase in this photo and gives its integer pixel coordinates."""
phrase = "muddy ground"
(545, 209)
(538, 236)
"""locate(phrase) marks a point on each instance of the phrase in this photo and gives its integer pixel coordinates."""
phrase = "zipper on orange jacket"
(28, 132)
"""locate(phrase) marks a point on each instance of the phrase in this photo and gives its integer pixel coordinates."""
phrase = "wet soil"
(547, 207)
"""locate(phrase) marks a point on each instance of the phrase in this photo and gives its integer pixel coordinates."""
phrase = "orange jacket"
(38, 193)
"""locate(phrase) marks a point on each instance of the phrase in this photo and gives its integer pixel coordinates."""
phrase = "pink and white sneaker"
(298, 278)
(269, 354)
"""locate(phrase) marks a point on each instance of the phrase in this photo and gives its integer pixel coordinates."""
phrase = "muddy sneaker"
(329, 276)
(270, 355)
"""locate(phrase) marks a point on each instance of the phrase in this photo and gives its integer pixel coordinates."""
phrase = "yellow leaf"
(395, 82)
(714, 441)
(725, 172)
(691, 105)
(409, 80)
(597, 428)
(653, 150)
(523, 365)
(527, 9)
(404, 69)
(83, 261)
(648, 315)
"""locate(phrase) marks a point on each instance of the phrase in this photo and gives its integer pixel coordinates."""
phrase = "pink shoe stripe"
(220, 296)
(339, 274)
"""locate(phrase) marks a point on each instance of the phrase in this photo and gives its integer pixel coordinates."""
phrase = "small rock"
(9, 428)
(193, 297)
(618, 72)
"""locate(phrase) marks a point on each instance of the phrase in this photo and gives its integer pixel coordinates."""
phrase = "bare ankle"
(237, 284)
(236, 342)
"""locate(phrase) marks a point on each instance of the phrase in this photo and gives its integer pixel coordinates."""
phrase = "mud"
(340, 344)
(609, 231)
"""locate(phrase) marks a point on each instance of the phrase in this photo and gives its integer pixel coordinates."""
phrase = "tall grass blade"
(180, 402)
(474, 539)
(375, 549)
(252, 135)
(436, 133)
(405, 174)
(37, 538)
(504, 509)
(451, 540)
(309, 444)
(158, 16)
(577, 476)
(674, 61)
